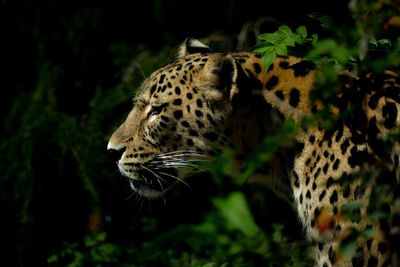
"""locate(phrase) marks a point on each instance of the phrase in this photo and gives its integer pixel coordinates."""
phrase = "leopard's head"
(181, 115)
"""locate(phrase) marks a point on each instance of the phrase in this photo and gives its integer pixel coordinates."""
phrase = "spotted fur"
(203, 102)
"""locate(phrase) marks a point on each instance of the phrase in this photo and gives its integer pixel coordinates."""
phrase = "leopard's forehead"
(172, 79)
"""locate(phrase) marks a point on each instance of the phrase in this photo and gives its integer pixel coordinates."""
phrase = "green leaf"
(302, 31)
(281, 50)
(269, 37)
(268, 59)
(289, 41)
(236, 211)
(384, 43)
(285, 30)
(314, 39)
(325, 20)
(264, 48)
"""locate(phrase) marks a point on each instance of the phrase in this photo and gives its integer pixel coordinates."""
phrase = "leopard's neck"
(286, 85)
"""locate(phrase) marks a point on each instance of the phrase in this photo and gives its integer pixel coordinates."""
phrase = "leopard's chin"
(146, 190)
(151, 183)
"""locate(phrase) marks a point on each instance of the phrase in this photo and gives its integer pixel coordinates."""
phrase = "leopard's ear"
(191, 46)
(224, 74)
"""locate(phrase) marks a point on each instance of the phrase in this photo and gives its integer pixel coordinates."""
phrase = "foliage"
(228, 236)
(63, 200)
(276, 44)
(359, 49)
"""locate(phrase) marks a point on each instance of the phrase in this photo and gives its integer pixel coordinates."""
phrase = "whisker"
(182, 154)
(175, 177)
(156, 175)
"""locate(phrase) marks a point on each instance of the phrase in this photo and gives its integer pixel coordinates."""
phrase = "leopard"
(204, 102)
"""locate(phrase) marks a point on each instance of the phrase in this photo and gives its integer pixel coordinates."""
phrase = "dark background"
(61, 63)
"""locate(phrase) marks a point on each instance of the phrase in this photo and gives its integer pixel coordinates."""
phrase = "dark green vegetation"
(69, 71)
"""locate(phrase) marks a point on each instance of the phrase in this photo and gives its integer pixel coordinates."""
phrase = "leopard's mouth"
(157, 176)
(152, 183)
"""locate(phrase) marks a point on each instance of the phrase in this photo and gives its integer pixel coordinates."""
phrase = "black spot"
(316, 175)
(329, 182)
(211, 136)
(284, 65)
(294, 97)
(164, 118)
(316, 213)
(193, 133)
(271, 67)
(178, 114)
(332, 255)
(372, 261)
(322, 195)
(177, 90)
(162, 77)
(169, 85)
(177, 102)
(359, 157)
(199, 124)
(189, 95)
(301, 199)
(339, 133)
(189, 142)
(308, 194)
(185, 124)
(326, 154)
(188, 108)
(344, 146)
(273, 81)
(182, 82)
(314, 186)
(336, 164)
(389, 112)
(332, 157)
(307, 180)
(280, 95)
(373, 100)
(334, 197)
(303, 68)
(325, 168)
(211, 120)
(199, 103)
(198, 113)
(257, 68)
(311, 139)
(153, 89)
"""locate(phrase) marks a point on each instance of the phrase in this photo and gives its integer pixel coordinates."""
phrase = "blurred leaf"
(235, 210)
(325, 20)
(302, 31)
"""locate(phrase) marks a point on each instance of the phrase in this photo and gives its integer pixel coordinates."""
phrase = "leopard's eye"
(156, 109)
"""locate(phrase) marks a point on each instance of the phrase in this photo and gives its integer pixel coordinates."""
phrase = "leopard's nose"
(116, 151)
